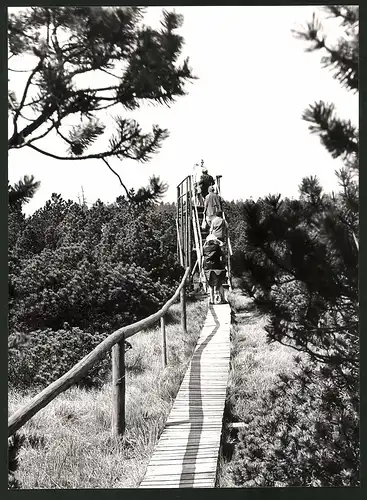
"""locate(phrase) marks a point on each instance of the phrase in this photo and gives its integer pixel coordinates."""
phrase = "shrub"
(47, 354)
(68, 286)
(305, 433)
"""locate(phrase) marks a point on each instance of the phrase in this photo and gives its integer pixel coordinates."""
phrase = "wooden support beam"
(183, 309)
(118, 389)
(164, 341)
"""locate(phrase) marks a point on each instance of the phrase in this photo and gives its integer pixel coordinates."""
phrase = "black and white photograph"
(183, 245)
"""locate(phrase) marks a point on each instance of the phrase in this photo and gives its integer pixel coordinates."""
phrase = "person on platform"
(205, 182)
(212, 205)
(214, 269)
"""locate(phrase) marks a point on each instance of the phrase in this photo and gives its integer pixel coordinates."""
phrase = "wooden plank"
(197, 444)
(203, 483)
(171, 459)
(182, 481)
(180, 469)
(211, 440)
(184, 475)
(186, 433)
(186, 458)
(159, 458)
(197, 423)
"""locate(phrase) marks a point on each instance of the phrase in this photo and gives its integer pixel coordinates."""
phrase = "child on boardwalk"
(214, 269)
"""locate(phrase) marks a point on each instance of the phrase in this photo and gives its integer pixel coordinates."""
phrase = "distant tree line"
(78, 273)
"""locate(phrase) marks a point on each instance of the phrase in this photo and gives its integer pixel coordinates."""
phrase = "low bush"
(304, 433)
(47, 354)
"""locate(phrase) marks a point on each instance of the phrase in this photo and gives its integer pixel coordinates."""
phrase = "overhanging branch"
(21, 104)
(119, 178)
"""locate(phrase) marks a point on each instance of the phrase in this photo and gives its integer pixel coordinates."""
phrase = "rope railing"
(115, 342)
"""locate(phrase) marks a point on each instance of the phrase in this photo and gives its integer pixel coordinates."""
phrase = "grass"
(255, 365)
(68, 444)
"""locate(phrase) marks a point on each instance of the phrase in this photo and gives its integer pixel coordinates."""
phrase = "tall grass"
(68, 444)
(255, 366)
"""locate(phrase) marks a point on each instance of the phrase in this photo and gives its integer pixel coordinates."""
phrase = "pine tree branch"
(39, 136)
(17, 138)
(20, 70)
(101, 89)
(119, 178)
(25, 118)
(63, 137)
(151, 66)
(100, 108)
(109, 73)
(99, 156)
(25, 92)
(349, 18)
(35, 101)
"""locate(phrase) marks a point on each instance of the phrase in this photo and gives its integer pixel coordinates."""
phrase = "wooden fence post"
(118, 388)
(164, 342)
(183, 308)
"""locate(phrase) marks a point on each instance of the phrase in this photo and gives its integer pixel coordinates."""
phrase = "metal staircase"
(198, 215)
(191, 235)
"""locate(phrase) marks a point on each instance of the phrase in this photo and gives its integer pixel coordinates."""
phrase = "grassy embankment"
(68, 444)
(255, 365)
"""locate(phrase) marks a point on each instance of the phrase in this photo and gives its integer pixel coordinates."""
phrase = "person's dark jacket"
(212, 256)
(205, 182)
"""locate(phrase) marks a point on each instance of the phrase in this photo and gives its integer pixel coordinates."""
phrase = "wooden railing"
(116, 343)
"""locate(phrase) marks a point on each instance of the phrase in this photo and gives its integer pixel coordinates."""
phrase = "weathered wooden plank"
(185, 433)
(178, 481)
(194, 440)
(156, 460)
(175, 417)
(197, 424)
(176, 459)
(171, 465)
(185, 475)
(194, 444)
(159, 458)
(179, 484)
(192, 458)
(180, 469)
(196, 402)
(192, 436)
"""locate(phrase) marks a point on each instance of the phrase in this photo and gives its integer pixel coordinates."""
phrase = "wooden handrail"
(20, 417)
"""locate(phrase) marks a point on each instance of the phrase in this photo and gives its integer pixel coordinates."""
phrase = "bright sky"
(242, 116)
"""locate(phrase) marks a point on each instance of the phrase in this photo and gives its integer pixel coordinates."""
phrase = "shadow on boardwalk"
(196, 413)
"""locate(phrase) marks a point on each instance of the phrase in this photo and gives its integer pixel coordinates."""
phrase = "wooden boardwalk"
(187, 452)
